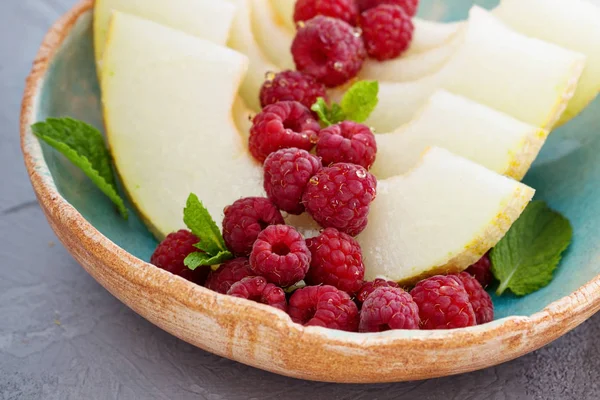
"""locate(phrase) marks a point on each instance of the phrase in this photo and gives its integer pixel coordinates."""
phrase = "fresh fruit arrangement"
(274, 113)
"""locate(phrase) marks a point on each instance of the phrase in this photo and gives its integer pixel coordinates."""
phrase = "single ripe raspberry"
(291, 86)
(324, 306)
(443, 303)
(369, 287)
(388, 308)
(280, 255)
(409, 6)
(346, 10)
(256, 288)
(229, 272)
(348, 142)
(387, 31)
(336, 261)
(339, 197)
(282, 125)
(245, 219)
(482, 270)
(479, 298)
(286, 174)
(171, 252)
(329, 49)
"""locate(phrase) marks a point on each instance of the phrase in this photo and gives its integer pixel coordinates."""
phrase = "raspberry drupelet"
(409, 6)
(479, 298)
(229, 272)
(280, 255)
(348, 142)
(443, 303)
(256, 288)
(336, 261)
(339, 197)
(286, 174)
(324, 306)
(329, 49)
(291, 86)
(245, 219)
(388, 308)
(172, 251)
(482, 270)
(369, 287)
(346, 10)
(387, 31)
(282, 125)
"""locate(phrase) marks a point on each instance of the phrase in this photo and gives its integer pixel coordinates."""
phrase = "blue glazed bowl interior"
(566, 174)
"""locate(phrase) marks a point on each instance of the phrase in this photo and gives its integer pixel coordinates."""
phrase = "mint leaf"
(357, 104)
(84, 146)
(360, 100)
(198, 220)
(525, 259)
(198, 259)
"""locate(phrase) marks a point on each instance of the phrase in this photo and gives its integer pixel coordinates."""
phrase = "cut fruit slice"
(466, 128)
(441, 217)
(275, 40)
(208, 19)
(284, 11)
(243, 117)
(573, 24)
(526, 78)
(167, 97)
(242, 39)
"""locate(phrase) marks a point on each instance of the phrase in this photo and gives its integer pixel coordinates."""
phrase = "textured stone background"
(62, 336)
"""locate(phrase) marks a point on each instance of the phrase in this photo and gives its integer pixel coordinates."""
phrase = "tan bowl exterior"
(263, 337)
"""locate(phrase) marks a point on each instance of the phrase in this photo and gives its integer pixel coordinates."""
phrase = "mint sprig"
(84, 146)
(525, 259)
(212, 246)
(357, 104)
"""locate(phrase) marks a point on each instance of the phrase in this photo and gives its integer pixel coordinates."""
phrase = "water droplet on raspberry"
(270, 75)
(357, 32)
(314, 180)
(338, 65)
(361, 173)
(314, 139)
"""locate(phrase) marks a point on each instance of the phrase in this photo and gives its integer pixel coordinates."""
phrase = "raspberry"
(171, 252)
(339, 197)
(482, 270)
(292, 86)
(443, 303)
(346, 10)
(245, 219)
(256, 288)
(282, 125)
(479, 298)
(409, 6)
(324, 306)
(280, 255)
(328, 49)
(348, 142)
(369, 287)
(388, 308)
(229, 272)
(387, 31)
(287, 172)
(336, 261)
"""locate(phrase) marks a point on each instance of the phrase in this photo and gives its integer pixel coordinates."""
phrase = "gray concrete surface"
(62, 336)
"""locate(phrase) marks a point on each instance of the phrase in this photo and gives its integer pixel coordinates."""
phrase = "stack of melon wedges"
(466, 111)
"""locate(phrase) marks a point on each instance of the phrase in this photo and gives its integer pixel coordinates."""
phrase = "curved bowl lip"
(557, 318)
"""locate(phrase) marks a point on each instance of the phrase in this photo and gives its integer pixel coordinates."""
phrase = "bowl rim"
(544, 326)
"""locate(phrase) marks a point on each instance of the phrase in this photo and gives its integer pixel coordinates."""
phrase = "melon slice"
(573, 24)
(208, 19)
(526, 78)
(167, 100)
(440, 217)
(275, 40)
(466, 128)
(242, 39)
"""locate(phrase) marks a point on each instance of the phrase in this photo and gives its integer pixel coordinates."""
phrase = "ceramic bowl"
(115, 252)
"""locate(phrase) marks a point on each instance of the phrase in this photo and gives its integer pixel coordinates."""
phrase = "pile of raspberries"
(325, 172)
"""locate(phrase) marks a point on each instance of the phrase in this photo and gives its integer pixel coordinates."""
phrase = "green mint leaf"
(198, 259)
(360, 100)
(326, 114)
(525, 259)
(198, 220)
(84, 146)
